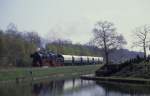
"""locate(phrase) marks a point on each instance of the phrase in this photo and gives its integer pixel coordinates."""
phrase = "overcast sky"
(74, 19)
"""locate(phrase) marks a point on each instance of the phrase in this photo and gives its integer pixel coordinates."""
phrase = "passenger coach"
(81, 60)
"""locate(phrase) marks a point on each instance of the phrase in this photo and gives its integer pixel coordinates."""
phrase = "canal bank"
(117, 79)
(136, 73)
(23, 74)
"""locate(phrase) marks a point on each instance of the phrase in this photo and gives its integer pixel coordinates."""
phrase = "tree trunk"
(144, 48)
(105, 49)
(107, 59)
(106, 53)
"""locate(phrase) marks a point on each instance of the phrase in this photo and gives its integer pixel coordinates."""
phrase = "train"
(47, 58)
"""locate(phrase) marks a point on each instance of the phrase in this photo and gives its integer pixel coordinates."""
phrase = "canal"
(72, 87)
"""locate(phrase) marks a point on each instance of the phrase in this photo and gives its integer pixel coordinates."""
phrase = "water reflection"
(46, 88)
(120, 89)
(74, 87)
(56, 88)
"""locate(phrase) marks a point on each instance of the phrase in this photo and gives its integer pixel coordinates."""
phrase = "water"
(73, 87)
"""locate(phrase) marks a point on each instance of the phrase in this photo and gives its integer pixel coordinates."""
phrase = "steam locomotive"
(47, 58)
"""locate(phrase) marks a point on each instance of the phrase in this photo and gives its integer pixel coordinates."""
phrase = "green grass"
(140, 70)
(24, 73)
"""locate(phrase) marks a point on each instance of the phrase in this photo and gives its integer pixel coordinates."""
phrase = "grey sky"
(74, 19)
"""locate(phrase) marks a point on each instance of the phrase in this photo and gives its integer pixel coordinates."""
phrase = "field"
(19, 74)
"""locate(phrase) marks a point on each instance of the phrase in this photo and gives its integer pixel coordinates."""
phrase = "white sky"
(74, 19)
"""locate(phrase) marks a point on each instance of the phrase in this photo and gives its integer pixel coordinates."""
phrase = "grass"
(134, 73)
(140, 70)
(128, 80)
(25, 73)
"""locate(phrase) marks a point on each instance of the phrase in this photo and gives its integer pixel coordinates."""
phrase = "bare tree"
(106, 38)
(141, 36)
(33, 37)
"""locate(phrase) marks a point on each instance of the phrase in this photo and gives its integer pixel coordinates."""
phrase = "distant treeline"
(16, 47)
(68, 48)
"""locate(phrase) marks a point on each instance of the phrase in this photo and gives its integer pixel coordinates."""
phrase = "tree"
(141, 37)
(106, 38)
(33, 37)
(16, 47)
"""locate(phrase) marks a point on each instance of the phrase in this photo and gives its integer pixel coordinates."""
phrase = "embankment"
(138, 73)
(117, 79)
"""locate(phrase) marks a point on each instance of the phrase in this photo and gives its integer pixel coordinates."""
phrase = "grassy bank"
(137, 70)
(37, 73)
(117, 79)
(138, 73)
